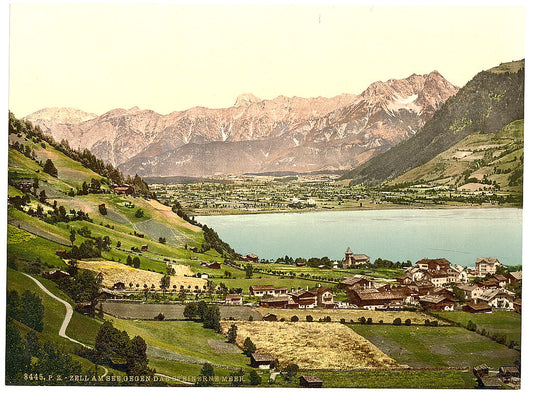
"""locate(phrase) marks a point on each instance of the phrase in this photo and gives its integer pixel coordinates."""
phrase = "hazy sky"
(172, 57)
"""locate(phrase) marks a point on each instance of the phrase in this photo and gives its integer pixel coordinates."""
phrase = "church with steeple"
(351, 259)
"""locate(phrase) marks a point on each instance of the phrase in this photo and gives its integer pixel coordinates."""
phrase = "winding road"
(68, 316)
(66, 321)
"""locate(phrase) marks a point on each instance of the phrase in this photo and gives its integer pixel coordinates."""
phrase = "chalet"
(300, 263)
(233, 299)
(61, 253)
(502, 280)
(109, 294)
(102, 209)
(324, 296)
(404, 280)
(441, 303)
(433, 264)
(486, 266)
(373, 298)
(194, 249)
(422, 287)
(123, 190)
(514, 277)
(481, 370)
(213, 265)
(278, 302)
(507, 373)
(498, 298)
(250, 258)
(310, 382)
(351, 259)
(56, 275)
(477, 308)
(361, 281)
(260, 291)
(25, 186)
(270, 317)
(517, 305)
(119, 285)
(471, 292)
(261, 361)
(490, 382)
(304, 298)
(144, 248)
(441, 291)
(203, 275)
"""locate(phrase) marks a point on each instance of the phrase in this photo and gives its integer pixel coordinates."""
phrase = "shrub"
(369, 321)
(408, 322)
(397, 321)
(362, 320)
(159, 317)
(309, 318)
(294, 318)
(343, 320)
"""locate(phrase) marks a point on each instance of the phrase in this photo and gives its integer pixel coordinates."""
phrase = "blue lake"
(460, 235)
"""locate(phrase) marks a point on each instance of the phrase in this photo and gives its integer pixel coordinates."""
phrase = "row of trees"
(26, 308)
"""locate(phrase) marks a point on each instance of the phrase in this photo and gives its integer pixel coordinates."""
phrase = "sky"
(169, 57)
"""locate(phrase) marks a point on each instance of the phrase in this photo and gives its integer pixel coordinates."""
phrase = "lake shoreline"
(350, 208)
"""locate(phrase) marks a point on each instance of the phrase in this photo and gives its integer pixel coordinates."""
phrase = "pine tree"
(50, 168)
(248, 346)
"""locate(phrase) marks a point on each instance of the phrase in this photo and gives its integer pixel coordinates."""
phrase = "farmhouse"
(361, 281)
(351, 259)
(441, 303)
(373, 298)
(324, 296)
(486, 266)
(56, 275)
(498, 298)
(102, 209)
(233, 299)
(477, 308)
(304, 298)
(514, 277)
(517, 305)
(278, 302)
(261, 361)
(310, 381)
(261, 290)
(471, 292)
(250, 258)
(437, 271)
(119, 285)
(433, 264)
(123, 190)
(61, 253)
(213, 265)
(144, 248)
(109, 294)
(507, 373)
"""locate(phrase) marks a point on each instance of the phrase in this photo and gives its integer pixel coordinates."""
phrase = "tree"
(232, 334)
(72, 236)
(397, 321)
(249, 271)
(165, 282)
(212, 318)
(32, 310)
(309, 318)
(129, 260)
(254, 377)
(248, 346)
(290, 371)
(42, 196)
(162, 240)
(201, 310)
(50, 168)
(190, 310)
(139, 213)
(18, 363)
(206, 375)
(136, 262)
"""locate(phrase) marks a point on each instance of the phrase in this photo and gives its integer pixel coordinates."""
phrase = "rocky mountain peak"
(61, 115)
(246, 100)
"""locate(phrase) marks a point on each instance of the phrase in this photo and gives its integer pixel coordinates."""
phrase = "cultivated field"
(417, 318)
(441, 347)
(312, 345)
(114, 272)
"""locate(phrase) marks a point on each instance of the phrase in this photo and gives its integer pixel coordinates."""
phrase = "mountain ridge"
(301, 134)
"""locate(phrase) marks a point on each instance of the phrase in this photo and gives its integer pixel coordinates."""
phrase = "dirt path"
(68, 316)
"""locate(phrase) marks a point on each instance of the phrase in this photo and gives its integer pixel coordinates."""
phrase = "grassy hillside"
(491, 100)
(480, 160)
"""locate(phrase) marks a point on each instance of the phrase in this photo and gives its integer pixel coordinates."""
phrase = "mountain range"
(256, 135)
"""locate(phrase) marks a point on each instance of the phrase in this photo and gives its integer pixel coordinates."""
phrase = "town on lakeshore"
(354, 223)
